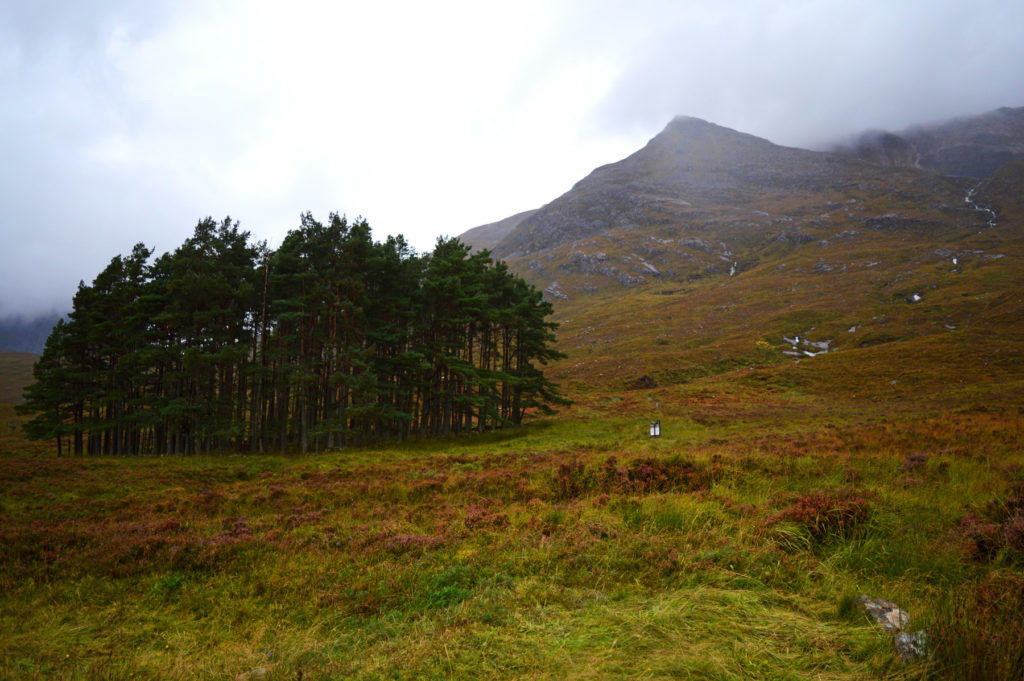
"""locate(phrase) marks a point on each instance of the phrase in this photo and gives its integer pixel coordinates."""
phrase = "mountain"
(490, 235)
(974, 146)
(690, 166)
(29, 334)
(711, 251)
(700, 199)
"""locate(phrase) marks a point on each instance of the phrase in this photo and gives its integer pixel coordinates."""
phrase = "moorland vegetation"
(732, 547)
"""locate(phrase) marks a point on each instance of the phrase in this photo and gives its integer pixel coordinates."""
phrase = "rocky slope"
(702, 200)
(710, 250)
(490, 235)
(690, 167)
(974, 146)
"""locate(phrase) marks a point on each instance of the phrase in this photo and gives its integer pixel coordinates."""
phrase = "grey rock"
(911, 647)
(891, 618)
(555, 291)
(886, 614)
(795, 237)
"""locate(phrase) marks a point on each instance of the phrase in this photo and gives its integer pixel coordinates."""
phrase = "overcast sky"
(129, 121)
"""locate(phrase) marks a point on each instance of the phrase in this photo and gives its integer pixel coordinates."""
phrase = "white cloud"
(128, 122)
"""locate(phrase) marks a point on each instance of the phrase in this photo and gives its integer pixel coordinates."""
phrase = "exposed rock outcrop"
(894, 620)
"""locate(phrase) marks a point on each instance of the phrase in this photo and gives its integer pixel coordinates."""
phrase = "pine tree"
(50, 397)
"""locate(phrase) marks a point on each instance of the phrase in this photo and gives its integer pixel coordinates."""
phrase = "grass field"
(574, 548)
(15, 374)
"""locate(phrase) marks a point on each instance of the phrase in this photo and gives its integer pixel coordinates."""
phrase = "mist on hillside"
(131, 123)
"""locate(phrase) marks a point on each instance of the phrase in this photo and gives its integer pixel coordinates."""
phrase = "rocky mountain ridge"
(700, 199)
(970, 146)
(709, 249)
(689, 165)
(490, 235)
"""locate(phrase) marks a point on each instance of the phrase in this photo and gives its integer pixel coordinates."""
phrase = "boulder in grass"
(885, 614)
(893, 619)
(911, 647)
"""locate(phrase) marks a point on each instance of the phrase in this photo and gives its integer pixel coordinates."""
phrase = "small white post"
(655, 428)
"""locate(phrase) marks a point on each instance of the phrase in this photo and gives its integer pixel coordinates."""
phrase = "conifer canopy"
(334, 339)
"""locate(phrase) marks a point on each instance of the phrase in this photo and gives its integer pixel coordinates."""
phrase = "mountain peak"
(693, 141)
(691, 165)
(688, 120)
(695, 176)
(701, 129)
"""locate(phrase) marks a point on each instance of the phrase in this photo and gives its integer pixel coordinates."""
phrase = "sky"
(125, 122)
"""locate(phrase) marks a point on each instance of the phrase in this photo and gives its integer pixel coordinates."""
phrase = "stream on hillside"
(969, 200)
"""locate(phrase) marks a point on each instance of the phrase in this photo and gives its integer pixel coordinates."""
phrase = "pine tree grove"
(332, 340)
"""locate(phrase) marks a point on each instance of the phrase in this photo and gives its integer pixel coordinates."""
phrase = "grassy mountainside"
(709, 250)
(1002, 191)
(878, 294)
(15, 374)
